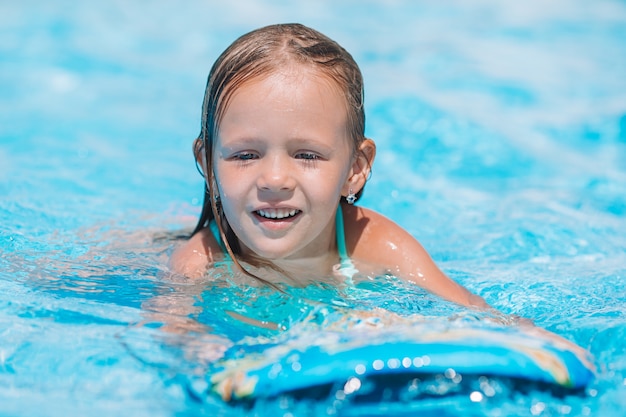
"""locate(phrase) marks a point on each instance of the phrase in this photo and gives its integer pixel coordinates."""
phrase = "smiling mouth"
(277, 214)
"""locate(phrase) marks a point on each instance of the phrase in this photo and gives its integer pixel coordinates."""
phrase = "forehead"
(285, 75)
(297, 93)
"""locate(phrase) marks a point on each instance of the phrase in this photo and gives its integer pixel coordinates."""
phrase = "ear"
(200, 155)
(361, 167)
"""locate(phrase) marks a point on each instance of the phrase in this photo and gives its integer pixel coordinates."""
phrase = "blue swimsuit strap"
(346, 267)
(216, 234)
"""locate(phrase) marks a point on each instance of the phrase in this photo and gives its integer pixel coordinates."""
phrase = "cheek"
(326, 186)
(227, 181)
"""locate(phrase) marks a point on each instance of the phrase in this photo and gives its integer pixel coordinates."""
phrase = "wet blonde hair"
(257, 54)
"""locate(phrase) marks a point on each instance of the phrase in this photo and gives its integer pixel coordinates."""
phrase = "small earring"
(218, 204)
(351, 198)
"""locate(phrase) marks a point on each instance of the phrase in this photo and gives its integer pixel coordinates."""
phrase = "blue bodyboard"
(348, 357)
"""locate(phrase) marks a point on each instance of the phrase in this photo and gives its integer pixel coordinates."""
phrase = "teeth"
(277, 213)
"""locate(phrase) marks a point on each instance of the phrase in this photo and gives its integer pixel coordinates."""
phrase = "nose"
(276, 175)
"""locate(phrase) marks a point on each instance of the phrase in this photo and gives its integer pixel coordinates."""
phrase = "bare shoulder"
(377, 243)
(193, 257)
(372, 236)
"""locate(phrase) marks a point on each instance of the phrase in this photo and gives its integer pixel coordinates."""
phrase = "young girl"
(283, 152)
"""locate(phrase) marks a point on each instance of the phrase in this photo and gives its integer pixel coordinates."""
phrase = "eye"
(244, 156)
(307, 156)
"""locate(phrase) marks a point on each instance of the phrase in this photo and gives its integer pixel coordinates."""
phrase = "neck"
(317, 266)
(299, 272)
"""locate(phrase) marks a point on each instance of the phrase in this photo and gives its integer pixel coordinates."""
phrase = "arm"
(376, 240)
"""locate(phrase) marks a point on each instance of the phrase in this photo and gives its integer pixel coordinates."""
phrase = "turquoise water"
(501, 132)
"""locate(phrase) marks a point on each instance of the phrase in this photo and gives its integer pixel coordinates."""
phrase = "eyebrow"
(240, 141)
(298, 141)
(309, 142)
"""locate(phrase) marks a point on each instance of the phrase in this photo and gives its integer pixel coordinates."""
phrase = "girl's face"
(282, 160)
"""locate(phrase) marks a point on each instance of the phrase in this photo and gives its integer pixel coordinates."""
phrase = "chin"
(271, 254)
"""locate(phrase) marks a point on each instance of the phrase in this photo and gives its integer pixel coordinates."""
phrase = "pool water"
(501, 133)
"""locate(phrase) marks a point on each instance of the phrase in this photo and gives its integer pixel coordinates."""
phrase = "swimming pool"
(501, 134)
